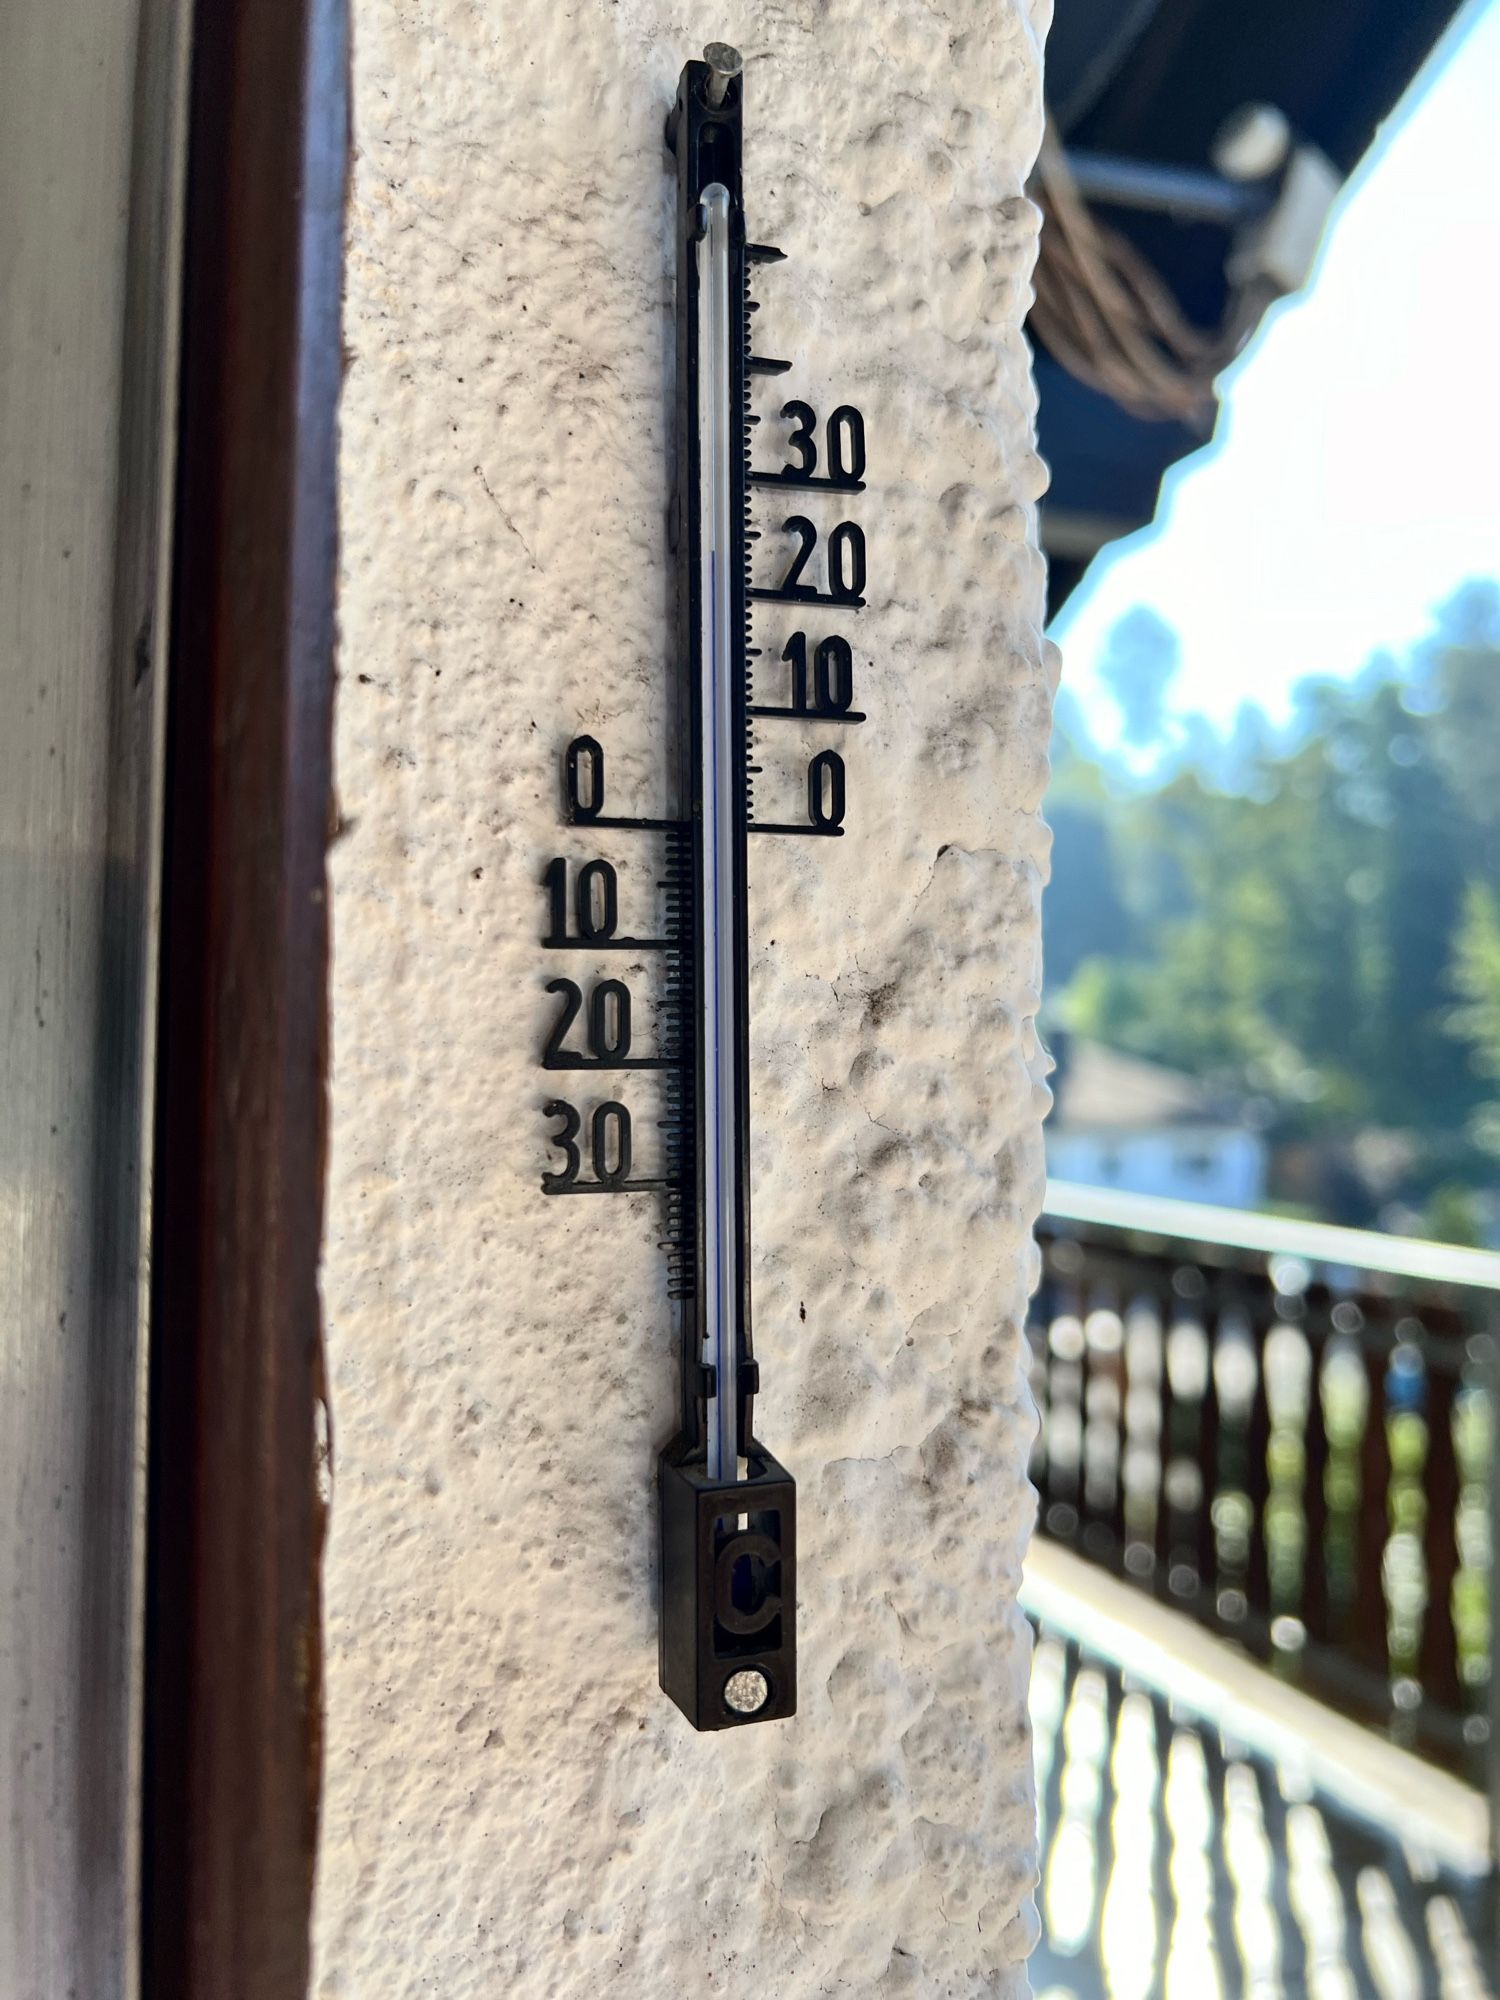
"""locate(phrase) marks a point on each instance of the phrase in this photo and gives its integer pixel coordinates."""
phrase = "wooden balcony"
(1181, 1861)
(1265, 1483)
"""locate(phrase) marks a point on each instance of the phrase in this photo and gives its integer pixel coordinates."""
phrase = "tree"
(1296, 914)
(1140, 660)
(1476, 976)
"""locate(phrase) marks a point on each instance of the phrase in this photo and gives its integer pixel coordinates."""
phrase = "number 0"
(583, 779)
(825, 789)
(833, 675)
(611, 1118)
(846, 444)
(846, 560)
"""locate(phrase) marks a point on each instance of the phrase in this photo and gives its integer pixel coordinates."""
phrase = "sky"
(1354, 478)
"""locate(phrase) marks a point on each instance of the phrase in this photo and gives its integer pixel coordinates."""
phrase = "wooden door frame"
(235, 1513)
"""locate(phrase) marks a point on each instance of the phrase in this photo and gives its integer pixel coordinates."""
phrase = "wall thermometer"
(727, 1651)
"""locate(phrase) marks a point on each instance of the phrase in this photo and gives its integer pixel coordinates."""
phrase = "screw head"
(747, 1691)
(725, 63)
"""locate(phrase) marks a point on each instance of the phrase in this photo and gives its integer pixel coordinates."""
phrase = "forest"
(1306, 915)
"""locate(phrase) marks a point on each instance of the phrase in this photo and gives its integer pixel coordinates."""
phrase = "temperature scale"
(727, 1652)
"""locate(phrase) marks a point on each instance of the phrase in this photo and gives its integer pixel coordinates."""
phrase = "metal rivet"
(747, 1692)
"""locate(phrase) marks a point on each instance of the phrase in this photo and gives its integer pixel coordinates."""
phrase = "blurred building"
(1122, 1122)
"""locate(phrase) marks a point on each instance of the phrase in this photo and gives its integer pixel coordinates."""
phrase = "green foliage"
(1305, 935)
(1476, 974)
(1477, 977)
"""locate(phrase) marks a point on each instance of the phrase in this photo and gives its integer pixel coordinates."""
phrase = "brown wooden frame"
(231, 1767)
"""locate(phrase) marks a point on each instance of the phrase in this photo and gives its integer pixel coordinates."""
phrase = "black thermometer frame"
(728, 1545)
(727, 1632)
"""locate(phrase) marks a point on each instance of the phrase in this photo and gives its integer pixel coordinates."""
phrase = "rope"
(1106, 316)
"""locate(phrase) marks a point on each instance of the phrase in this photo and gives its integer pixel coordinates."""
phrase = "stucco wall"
(510, 1805)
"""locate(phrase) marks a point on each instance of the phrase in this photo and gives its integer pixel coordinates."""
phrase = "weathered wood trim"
(235, 1516)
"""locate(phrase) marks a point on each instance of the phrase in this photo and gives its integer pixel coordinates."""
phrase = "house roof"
(1100, 1087)
(1150, 82)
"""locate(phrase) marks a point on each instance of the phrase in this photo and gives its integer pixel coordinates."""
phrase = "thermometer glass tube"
(719, 1002)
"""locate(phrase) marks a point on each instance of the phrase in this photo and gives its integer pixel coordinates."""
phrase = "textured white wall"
(511, 1806)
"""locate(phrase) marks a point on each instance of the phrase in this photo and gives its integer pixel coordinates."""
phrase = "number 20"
(846, 559)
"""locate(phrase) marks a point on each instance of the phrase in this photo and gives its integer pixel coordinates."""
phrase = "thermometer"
(727, 1652)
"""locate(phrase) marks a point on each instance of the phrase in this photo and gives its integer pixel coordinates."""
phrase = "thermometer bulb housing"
(729, 1572)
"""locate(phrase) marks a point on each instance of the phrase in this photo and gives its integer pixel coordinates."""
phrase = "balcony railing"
(1286, 1432)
